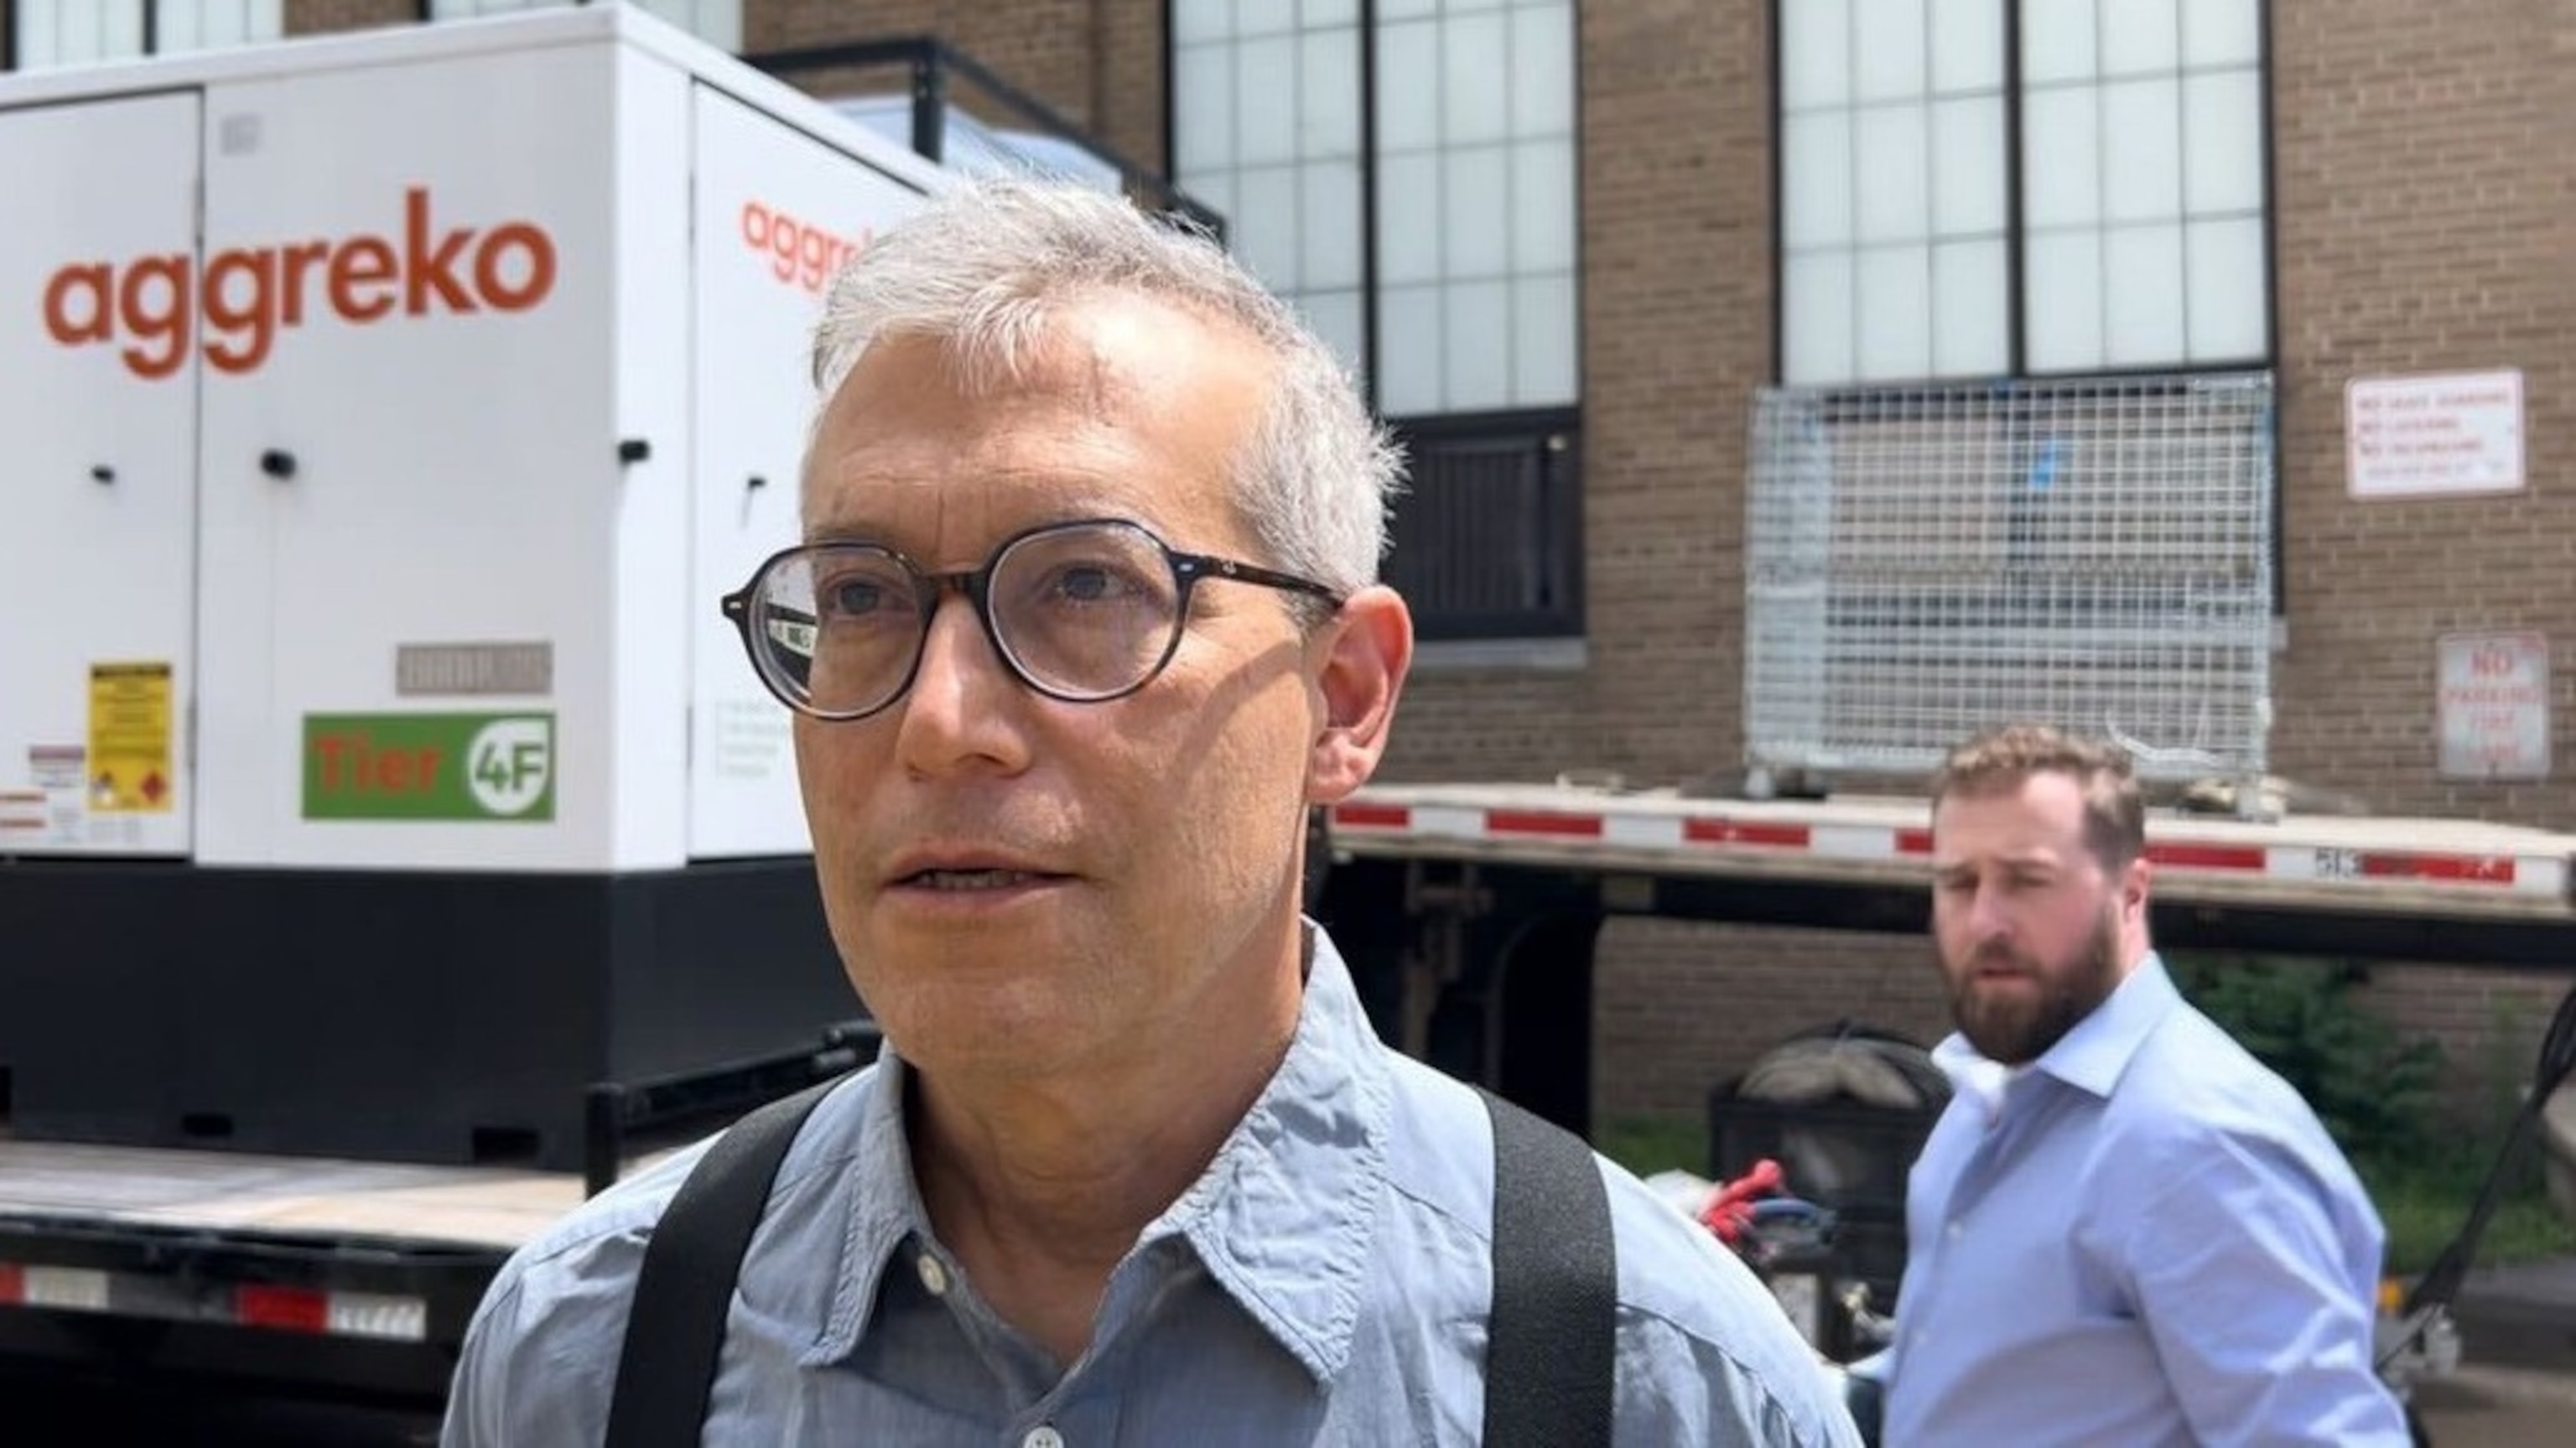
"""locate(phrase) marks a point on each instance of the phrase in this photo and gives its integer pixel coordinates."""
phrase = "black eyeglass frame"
(929, 587)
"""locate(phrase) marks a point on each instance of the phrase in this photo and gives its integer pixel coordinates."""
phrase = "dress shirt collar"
(1281, 1219)
(2090, 1057)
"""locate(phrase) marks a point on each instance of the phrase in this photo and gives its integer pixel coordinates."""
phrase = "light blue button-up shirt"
(2143, 1238)
(1325, 1282)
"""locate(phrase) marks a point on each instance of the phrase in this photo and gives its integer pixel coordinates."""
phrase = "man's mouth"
(972, 879)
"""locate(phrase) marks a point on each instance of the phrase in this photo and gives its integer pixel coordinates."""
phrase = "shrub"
(2375, 1091)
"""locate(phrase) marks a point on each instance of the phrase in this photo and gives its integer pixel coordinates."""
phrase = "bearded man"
(2124, 1228)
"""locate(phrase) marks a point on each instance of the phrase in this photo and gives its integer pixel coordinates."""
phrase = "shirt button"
(1952, 1232)
(934, 1278)
(1043, 1435)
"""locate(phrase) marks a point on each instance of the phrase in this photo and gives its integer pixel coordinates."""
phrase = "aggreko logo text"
(149, 307)
(797, 251)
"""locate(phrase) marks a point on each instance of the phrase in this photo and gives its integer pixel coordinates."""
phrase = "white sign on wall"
(2492, 708)
(2433, 436)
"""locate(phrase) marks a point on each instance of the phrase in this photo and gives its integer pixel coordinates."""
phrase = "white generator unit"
(385, 415)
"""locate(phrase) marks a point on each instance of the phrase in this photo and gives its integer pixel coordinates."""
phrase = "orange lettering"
(362, 261)
(98, 279)
(238, 335)
(540, 267)
(150, 319)
(246, 295)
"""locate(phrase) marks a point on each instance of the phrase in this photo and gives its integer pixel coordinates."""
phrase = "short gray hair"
(985, 266)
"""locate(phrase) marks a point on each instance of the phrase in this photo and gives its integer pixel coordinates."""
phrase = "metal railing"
(1488, 540)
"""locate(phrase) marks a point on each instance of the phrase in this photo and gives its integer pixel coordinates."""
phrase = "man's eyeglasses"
(1083, 611)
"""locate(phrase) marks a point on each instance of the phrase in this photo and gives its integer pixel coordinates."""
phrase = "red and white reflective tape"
(2534, 874)
(242, 1304)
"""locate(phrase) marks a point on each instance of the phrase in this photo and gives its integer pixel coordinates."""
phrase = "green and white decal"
(429, 767)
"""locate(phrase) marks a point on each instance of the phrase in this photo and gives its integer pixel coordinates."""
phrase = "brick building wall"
(310, 17)
(2421, 221)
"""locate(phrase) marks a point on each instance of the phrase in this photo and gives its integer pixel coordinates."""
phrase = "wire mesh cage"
(1925, 563)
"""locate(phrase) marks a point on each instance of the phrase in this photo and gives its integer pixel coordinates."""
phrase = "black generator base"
(446, 1018)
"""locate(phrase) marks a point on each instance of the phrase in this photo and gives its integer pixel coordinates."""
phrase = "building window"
(1468, 153)
(2006, 187)
(44, 33)
(717, 22)
(1266, 123)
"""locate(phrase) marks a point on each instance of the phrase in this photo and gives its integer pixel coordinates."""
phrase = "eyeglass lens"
(1081, 612)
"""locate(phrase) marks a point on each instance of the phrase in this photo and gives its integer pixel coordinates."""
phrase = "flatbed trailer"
(1469, 911)
(312, 1276)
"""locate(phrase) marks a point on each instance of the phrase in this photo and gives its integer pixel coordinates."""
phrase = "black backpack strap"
(1550, 1368)
(675, 1331)
(1550, 1361)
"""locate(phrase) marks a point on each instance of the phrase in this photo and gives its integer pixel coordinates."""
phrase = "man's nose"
(1989, 915)
(963, 701)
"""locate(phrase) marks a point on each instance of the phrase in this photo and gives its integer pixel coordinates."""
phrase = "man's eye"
(852, 597)
(1089, 583)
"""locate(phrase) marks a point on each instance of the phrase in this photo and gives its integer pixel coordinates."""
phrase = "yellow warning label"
(129, 739)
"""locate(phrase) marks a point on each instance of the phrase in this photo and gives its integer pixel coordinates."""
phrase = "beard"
(2015, 1027)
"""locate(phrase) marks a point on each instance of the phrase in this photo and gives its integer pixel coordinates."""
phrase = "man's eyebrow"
(2024, 864)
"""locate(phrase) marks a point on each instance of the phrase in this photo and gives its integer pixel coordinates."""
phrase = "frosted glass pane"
(2142, 296)
(2142, 150)
(2223, 262)
(183, 24)
(1815, 179)
(1476, 212)
(2062, 301)
(1971, 309)
(1894, 204)
(1547, 353)
(1889, 64)
(1543, 206)
(1895, 286)
(39, 36)
(1331, 229)
(1202, 109)
(2222, 32)
(120, 29)
(1461, 7)
(2222, 138)
(1337, 318)
(1408, 219)
(1816, 318)
(2056, 40)
(1265, 225)
(1474, 66)
(1968, 166)
(1215, 191)
(1264, 17)
(1316, 14)
(1328, 87)
(1408, 351)
(1197, 20)
(1478, 363)
(2061, 165)
(1265, 113)
(1408, 87)
(1542, 98)
(1968, 45)
(1387, 9)
(1815, 53)
(2140, 37)
(719, 24)
(69, 32)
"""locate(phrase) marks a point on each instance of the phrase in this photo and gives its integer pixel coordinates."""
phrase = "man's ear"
(2134, 883)
(1367, 648)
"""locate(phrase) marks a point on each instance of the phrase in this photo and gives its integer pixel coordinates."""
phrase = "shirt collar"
(1282, 1217)
(2090, 1056)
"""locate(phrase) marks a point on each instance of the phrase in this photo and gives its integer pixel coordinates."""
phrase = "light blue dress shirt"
(2144, 1237)
(1325, 1282)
